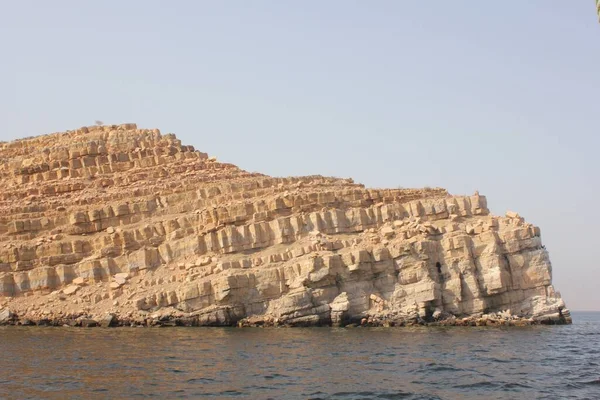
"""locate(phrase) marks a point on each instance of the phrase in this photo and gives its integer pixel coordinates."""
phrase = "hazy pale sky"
(500, 97)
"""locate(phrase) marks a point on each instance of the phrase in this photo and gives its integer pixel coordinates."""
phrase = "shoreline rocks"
(7, 318)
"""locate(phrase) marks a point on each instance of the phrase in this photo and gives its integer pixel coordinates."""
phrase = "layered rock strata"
(128, 222)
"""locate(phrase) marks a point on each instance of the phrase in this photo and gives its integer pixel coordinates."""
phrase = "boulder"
(5, 316)
(88, 323)
(120, 280)
(115, 285)
(109, 320)
(203, 261)
(79, 281)
(122, 275)
(512, 214)
(70, 290)
(387, 231)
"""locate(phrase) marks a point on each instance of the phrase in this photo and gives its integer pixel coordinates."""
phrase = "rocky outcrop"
(119, 223)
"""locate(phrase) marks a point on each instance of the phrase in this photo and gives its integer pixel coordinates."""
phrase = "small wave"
(404, 395)
(200, 380)
(379, 363)
(442, 368)
(275, 376)
(499, 360)
(385, 354)
(592, 382)
(377, 395)
(344, 394)
(434, 367)
(516, 385)
(398, 395)
(478, 385)
(573, 385)
(259, 387)
(480, 351)
(231, 393)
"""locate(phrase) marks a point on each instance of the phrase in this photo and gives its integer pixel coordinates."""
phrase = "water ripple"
(545, 362)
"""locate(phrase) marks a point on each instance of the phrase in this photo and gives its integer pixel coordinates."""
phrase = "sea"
(536, 362)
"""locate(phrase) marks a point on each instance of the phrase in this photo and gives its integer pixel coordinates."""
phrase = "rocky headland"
(115, 225)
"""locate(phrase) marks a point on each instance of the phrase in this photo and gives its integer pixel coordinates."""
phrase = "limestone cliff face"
(130, 221)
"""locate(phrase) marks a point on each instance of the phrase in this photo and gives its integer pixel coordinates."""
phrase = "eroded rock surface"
(116, 222)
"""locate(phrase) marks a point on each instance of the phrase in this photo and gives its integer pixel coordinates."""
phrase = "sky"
(499, 97)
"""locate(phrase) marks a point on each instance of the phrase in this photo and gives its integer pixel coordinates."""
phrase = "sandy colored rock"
(203, 261)
(116, 284)
(108, 321)
(5, 315)
(154, 226)
(122, 275)
(387, 231)
(69, 290)
(120, 280)
(79, 281)
(512, 214)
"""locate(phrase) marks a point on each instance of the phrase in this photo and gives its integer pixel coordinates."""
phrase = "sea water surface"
(545, 362)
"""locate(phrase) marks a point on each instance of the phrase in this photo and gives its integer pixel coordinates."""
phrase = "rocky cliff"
(130, 223)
